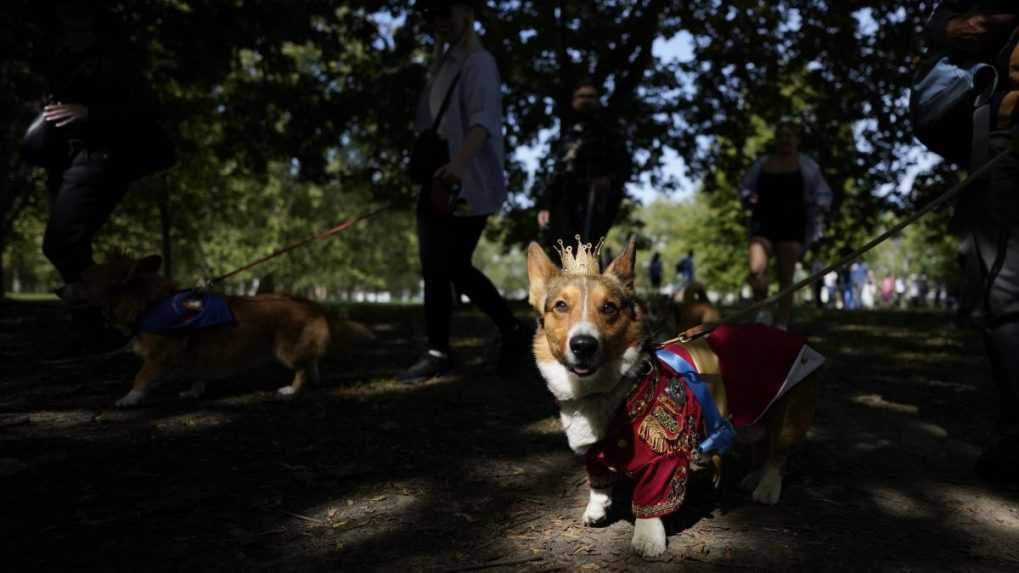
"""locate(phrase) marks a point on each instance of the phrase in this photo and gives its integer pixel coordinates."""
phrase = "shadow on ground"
(361, 474)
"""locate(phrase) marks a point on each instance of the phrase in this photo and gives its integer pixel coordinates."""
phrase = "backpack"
(950, 108)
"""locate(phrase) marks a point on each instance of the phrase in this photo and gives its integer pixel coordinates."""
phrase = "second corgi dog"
(249, 329)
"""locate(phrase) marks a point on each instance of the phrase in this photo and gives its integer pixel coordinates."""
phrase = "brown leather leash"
(706, 328)
(297, 244)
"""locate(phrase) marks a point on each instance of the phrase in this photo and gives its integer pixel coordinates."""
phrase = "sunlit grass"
(31, 296)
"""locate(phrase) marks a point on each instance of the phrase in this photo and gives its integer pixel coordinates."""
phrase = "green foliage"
(712, 225)
(291, 116)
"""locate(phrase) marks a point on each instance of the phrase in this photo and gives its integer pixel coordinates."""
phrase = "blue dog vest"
(185, 310)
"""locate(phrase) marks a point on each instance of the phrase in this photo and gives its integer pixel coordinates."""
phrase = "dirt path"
(472, 471)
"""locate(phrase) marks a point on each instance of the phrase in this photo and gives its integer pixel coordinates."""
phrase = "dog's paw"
(648, 537)
(287, 391)
(597, 512)
(750, 481)
(595, 515)
(770, 487)
(132, 398)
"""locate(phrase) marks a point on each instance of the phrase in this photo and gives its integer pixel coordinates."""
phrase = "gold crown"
(585, 262)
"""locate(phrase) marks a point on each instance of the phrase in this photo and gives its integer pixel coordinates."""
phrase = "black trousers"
(991, 274)
(82, 196)
(445, 246)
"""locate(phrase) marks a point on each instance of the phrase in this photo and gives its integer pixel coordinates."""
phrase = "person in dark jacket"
(988, 217)
(106, 118)
(592, 166)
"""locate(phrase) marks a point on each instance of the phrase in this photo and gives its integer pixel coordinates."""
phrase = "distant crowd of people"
(857, 287)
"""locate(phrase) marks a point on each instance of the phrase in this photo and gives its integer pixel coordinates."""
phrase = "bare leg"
(757, 259)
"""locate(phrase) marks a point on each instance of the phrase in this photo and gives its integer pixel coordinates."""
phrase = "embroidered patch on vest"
(640, 405)
(665, 430)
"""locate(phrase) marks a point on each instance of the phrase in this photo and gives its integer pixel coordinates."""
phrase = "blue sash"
(719, 433)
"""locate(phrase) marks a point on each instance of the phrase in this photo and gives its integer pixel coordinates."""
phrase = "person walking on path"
(787, 195)
(453, 208)
(102, 126)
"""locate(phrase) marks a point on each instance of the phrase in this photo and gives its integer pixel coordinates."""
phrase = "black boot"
(431, 364)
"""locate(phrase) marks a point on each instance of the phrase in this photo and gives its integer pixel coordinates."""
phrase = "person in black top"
(787, 194)
(987, 218)
(591, 169)
(106, 117)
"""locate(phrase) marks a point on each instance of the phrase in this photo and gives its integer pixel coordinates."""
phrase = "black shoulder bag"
(429, 154)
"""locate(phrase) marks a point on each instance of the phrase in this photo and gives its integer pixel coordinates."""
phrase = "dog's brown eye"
(609, 308)
(561, 306)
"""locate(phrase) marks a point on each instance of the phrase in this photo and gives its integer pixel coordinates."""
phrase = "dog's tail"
(695, 292)
(345, 334)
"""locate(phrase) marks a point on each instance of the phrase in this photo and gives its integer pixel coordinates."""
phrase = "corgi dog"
(250, 330)
(644, 413)
(695, 308)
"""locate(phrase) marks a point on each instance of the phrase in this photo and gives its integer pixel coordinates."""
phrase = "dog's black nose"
(583, 345)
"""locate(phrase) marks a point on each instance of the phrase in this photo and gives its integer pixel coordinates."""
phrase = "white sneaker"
(764, 317)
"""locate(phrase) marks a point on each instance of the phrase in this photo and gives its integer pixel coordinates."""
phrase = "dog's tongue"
(582, 371)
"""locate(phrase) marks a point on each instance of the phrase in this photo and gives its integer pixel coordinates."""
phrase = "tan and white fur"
(591, 335)
(290, 330)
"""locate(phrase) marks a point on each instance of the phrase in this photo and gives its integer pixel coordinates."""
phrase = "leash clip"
(691, 334)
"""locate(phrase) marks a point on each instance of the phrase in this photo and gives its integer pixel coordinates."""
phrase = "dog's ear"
(540, 271)
(146, 265)
(622, 267)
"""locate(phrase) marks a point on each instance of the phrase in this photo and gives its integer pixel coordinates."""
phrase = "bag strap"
(445, 101)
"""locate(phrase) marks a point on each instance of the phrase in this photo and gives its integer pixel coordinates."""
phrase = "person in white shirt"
(454, 206)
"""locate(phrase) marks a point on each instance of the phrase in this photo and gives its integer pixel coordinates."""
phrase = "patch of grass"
(31, 296)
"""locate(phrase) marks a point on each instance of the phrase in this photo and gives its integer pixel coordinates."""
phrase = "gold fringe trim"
(656, 437)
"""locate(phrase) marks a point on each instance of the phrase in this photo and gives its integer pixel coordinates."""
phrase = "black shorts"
(779, 227)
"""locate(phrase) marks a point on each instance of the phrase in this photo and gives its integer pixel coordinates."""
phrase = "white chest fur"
(587, 406)
(586, 422)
